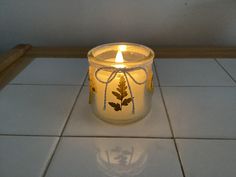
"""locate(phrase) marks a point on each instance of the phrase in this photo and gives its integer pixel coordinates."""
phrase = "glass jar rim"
(92, 54)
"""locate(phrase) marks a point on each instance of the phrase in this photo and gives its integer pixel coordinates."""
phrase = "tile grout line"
(67, 120)
(172, 132)
(169, 121)
(155, 86)
(196, 138)
(103, 136)
(44, 84)
(115, 137)
(50, 158)
(73, 106)
(222, 67)
(205, 86)
(155, 71)
(29, 135)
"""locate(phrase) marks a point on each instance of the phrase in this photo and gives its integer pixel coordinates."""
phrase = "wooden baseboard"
(13, 55)
(201, 52)
(67, 52)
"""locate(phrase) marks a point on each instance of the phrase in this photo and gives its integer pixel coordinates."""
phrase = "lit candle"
(121, 88)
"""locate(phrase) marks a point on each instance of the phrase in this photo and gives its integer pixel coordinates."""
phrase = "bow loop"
(110, 77)
(139, 82)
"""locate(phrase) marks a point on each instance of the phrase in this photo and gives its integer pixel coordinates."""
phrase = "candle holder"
(121, 81)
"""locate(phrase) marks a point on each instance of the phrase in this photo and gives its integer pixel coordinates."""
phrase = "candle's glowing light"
(122, 48)
(119, 57)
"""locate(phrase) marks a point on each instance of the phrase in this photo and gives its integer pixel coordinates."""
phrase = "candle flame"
(122, 48)
(119, 57)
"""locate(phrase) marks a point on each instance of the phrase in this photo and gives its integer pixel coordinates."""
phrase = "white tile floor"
(23, 156)
(194, 72)
(67, 71)
(202, 111)
(115, 157)
(208, 157)
(229, 65)
(198, 113)
(35, 109)
(84, 123)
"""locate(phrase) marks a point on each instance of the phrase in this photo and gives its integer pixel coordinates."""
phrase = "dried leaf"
(126, 101)
(118, 89)
(118, 96)
(122, 87)
(116, 106)
(150, 86)
(125, 93)
(92, 88)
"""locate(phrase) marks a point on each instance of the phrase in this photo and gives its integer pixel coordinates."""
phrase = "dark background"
(86, 23)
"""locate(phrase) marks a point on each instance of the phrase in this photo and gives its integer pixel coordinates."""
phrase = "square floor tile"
(25, 156)
(207, 158)
(114, 157)
(155, 83)
(84, 122)
(34, 109)
(191, 72)
(229, 65)
(54, 71)
(202, 111)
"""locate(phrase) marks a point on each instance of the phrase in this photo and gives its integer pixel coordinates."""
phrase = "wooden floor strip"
(187, 52)
(13, 55)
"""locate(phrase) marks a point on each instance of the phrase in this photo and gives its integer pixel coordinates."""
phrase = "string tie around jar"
(114, 72)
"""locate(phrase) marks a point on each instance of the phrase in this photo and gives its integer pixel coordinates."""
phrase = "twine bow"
(114, 72)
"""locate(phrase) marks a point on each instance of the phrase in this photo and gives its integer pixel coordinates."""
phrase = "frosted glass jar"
(121, 81)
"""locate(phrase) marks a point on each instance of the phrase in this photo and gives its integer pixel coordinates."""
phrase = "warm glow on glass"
(119, 59)
(122, 48)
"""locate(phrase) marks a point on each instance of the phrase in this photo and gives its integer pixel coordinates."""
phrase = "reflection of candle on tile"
(121, 158)
(121, 82)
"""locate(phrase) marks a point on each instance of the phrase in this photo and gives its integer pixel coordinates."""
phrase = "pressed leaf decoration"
(120, 95)
(92, 89)
(116, 106)
(150, 85)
